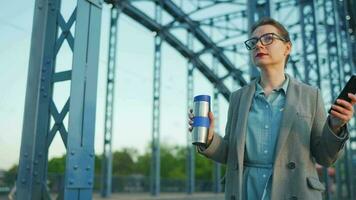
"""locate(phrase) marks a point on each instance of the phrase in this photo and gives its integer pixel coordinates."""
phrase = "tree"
(57, 165)
(10, 175)
(123, 161)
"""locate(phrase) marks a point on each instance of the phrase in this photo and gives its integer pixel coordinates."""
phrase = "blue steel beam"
(155, 160)
(334, 70)
(217, 166)
(348, 67)
(40, 106)
(345, 41)
(256, 10)
(190, 167)
(152, 25)
(333, 54)
(351, 10)
(223, 17)
(106, 182)
(79, 169)
(307, 16)
(310, 43)
(32, 172)
(201, 36)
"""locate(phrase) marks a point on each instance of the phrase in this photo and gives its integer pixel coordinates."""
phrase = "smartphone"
(350, 87)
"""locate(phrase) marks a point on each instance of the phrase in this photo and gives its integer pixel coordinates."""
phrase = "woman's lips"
(260, 54)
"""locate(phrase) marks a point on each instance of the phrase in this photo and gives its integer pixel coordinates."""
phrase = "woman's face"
(273, 54)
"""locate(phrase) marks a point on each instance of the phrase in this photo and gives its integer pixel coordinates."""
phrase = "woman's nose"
(258, 44)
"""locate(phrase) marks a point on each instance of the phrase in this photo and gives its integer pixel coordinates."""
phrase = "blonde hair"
(281, 29)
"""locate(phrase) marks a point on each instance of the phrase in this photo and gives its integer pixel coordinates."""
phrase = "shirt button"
(265, 152)
(266, 106)
(266, 126)
(291, 165)
(264, 175)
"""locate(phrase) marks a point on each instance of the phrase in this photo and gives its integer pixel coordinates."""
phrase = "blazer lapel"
(244, 107)
(289, 114)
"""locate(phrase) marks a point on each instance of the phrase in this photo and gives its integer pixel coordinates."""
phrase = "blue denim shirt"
(261, 137)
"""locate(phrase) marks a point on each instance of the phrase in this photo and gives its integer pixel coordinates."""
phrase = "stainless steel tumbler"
(201, 120)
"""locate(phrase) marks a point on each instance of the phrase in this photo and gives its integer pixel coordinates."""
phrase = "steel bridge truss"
(214, 32)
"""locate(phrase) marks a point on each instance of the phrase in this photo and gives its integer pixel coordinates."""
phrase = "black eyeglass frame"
(274, 36)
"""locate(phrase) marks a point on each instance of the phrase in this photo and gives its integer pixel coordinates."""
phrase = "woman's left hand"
(342, 112)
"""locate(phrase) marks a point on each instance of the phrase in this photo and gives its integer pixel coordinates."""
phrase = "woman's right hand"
(211, 127)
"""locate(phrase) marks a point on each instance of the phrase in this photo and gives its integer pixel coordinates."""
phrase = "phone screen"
(350, 87)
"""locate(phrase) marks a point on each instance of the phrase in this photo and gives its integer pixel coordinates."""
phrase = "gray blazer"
(304, 139)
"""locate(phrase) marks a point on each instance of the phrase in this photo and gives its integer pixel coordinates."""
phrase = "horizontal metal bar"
(62, 76)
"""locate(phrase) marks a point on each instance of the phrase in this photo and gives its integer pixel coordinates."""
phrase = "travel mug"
(201, 120)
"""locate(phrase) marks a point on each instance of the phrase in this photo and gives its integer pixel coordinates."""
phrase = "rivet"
(88, 168)
(71, 181)
(75, 167)
(23, 180)
(72, 152)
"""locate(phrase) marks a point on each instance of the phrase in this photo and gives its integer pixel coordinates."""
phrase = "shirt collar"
(283, 87)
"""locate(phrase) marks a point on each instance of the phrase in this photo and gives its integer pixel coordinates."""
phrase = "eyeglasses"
(266, 39)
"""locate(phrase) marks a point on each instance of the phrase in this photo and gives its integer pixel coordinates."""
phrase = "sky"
(133, 92)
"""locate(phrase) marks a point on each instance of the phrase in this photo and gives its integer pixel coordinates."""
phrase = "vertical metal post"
(32, 173)
(217, 166)
(310, 43)
(332, 37)
(81, 122)
(345, 44)
(256, 10)
(310, 55)
(348, 68)
(190, 148)
(40, 106)
(106, 184)
(155, 162)
(334, 67)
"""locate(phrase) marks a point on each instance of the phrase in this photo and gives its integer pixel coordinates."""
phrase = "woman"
(277, 128)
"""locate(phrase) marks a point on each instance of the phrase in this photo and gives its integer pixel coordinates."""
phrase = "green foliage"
(123, 163)
(143, 164)
(97, 165)
(172, 162)
(128, 161)
(10, 175)
(57, 165)
(203, 167)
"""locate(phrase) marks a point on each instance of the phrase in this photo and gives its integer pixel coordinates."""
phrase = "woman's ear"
(288, 48)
